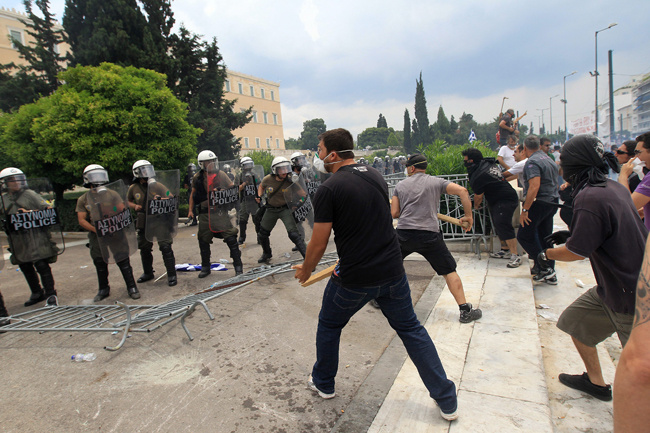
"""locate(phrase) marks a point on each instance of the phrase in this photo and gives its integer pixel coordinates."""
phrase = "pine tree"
(381, 122)
(421, 115)
(408, 146)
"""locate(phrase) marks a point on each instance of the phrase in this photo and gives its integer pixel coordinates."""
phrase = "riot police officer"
(95, 210)
(187, 184)
(274, 185)
(32, 250)
(250, 201)
(146, 190)
(211, 189)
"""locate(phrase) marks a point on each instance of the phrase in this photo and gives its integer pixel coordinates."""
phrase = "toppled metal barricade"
(140, 318)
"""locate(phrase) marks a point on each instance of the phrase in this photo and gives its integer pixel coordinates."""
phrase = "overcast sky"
(348, 61)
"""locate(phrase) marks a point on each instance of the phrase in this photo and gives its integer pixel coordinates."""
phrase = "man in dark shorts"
(486, 179)
(607, 230)
(354, 203)
(415, 203)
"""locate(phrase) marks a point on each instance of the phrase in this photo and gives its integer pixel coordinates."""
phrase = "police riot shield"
(32, 222)
(161, 221)
(388, 167)
(300, 204)
(251, 180)
(113, 221)
(223, 196)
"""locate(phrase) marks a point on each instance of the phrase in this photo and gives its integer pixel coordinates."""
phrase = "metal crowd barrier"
(140, 318)
(452, 206)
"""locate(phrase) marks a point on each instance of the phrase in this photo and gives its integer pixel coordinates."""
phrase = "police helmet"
(95, 174)
(206, 157)
(143, 169)
(13, 174)
(246, 163)
(280, 165)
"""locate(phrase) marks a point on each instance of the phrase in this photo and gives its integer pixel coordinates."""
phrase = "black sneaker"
(552, 280)
(52, 301)
(534, 270)
(582, 383)
(544, 274)
(471, 315)
(35, 299)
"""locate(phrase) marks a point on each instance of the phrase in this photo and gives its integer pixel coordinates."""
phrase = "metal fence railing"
(451, 205)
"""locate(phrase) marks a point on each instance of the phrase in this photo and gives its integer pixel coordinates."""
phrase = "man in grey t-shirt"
(541, 191)
(415, 202)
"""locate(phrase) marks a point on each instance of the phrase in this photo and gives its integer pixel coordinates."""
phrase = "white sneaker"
(311, 386)
(501, 254)
(449, 416)
(514, 262)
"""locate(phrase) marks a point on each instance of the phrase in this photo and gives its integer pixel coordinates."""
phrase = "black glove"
(558, 238)
(543, 261)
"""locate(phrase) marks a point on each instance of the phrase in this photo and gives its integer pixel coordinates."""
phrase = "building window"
(262, 93)
(257, 142)
(266, 117)
(246, 142)
(275, 119)
(252, 91)
(227, 85)
(268, 143)
(16, 35)
(255, 116)
(241, 88)
(272, 95)
(277, 143)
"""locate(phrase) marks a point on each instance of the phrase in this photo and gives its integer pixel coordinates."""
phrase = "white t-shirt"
(508, 155)
(518, 169)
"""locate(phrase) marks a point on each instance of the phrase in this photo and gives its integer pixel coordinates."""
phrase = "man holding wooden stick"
(415, 203)
(354, 203)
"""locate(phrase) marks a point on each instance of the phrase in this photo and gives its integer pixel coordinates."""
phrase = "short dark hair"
(473, 153)
(645, 139)
(544, 140)
(513, 137)
(520, 147)
(630, 146)
(420, 161)
(511, 111)
(338, 140)
(532, 142)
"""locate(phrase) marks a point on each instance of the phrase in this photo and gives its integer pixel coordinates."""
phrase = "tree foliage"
(263, 158)
(446, 159)
(381, 122)
(408, 145)
(375, 138)
(311, 129)
(392, 142)
(421, 121)
(106, 115)
(291, 143)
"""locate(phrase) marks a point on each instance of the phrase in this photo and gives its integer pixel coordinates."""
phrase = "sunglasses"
(622, 152)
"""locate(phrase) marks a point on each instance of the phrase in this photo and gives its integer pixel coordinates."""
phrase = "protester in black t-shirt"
(486, 178)
(354, 203)
(607, 230)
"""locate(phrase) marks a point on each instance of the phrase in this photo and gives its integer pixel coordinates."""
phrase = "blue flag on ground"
(472, 136)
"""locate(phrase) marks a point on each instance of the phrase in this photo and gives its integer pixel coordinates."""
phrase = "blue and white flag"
(472, 136)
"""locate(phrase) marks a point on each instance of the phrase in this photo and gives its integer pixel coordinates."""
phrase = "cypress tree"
(421, 115)
(408, 147)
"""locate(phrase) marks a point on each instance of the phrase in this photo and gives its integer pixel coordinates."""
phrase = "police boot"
(147, 266)
(170, 264)
(300, 244)
(102, 278)
(263, 239)
(44, 270)
(235, 253)
(242, 233)
(205, 259)
(34, 285)
(127, 274)
(3, 312)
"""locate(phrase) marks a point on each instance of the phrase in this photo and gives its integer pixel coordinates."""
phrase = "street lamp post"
(595, 74)
(550, 106)
(566, 131)
(542, 124)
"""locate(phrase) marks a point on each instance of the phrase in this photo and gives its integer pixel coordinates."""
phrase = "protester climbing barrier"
(140, 318)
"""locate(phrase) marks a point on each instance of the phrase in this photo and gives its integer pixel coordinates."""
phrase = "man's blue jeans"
(394, 298)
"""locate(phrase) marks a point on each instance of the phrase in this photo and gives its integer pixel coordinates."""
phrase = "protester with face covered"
(607, 230)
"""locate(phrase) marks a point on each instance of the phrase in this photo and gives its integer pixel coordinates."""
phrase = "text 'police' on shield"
(33, 219)
(113, 224)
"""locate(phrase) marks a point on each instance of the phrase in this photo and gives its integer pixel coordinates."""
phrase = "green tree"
(421, 121)
(453, 125)
(442, 128)
(376, 138)
(291, 143)
(24, 84)
(408, 145)
(263, 158)
(106, 115)
(446, 159)
(381, 122)
(311, 129)
(392, 142)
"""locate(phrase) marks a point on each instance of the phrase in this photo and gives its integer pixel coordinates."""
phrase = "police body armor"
(252, 178)
(161, 221)
(223, 196)
(113, 221)
(300, 205)
(31, 222)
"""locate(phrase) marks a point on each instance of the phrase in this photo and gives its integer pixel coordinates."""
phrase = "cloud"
(308, 15)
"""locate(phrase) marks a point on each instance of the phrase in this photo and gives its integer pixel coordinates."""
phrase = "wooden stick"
(325, 273)
(453, 220)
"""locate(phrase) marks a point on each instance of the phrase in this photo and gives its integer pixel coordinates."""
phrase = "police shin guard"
(263, 239)
(44, 270)
(147, 266)
(300, 244)
(127, 274)
(170, 264)
(34, 285)
(242, 233)
(205, 259)
(102, 278)
(235, 253)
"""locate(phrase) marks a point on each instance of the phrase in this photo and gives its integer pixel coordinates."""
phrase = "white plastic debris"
(579, 283)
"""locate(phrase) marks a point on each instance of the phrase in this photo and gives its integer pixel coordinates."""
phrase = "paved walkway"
(505, 365)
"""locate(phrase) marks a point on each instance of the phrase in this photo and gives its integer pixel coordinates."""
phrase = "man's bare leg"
(589, 356)
(455, 287)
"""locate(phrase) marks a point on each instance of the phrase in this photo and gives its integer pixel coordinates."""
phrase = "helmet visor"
(15, 183)
(283, 168)
(144, 171)
(97, 177)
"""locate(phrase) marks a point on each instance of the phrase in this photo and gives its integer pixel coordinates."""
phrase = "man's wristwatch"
(523, 209)
(542, 255)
